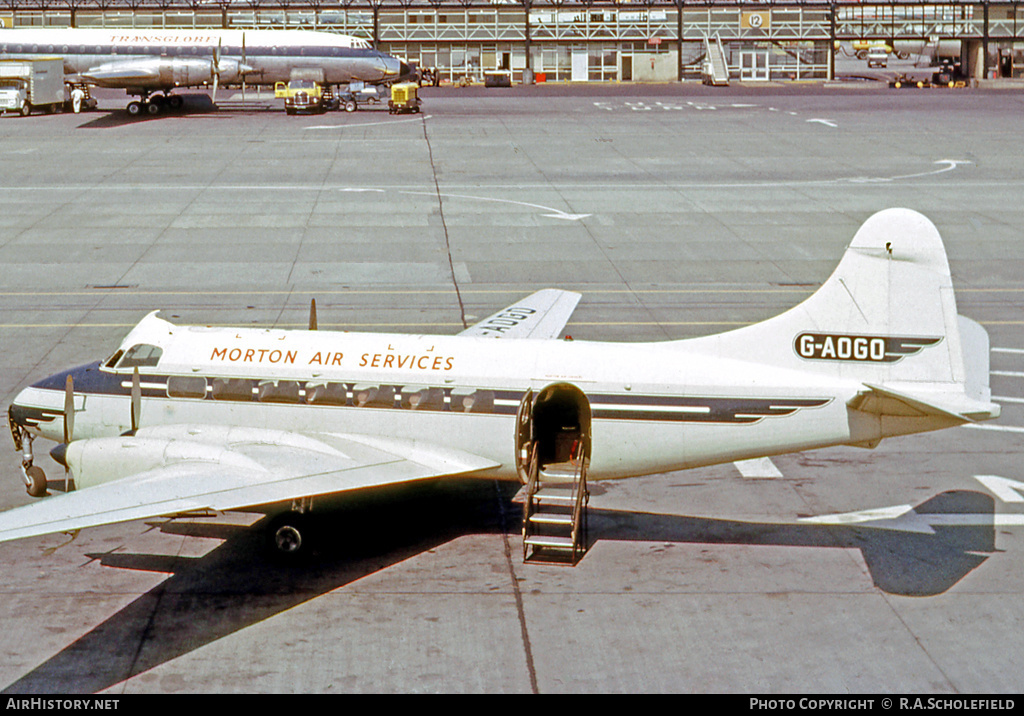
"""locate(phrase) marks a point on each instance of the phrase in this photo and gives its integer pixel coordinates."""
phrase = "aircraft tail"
(887, 319)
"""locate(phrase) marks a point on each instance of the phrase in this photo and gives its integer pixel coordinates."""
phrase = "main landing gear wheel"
(37, 481)
(135, 108)
(290, 537)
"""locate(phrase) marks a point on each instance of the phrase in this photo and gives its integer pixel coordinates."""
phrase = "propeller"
(312, 314)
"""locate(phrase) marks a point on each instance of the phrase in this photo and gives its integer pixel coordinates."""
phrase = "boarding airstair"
(555, 509)
(715, 69)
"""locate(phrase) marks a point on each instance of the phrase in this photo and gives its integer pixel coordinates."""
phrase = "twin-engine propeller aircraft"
(185, 418)
(152, 63)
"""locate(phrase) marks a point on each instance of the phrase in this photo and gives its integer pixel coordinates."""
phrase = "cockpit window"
(142, 356)
(112, 360)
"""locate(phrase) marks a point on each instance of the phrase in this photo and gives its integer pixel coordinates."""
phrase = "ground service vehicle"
(31, 84)
(302, 95)
(878, 57)
(404, 98)
(359, 93)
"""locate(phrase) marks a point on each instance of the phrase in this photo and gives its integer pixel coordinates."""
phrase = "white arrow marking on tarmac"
(826, 122)
(557, 213)
(1006, 490)
(903, 518)
(948, 166)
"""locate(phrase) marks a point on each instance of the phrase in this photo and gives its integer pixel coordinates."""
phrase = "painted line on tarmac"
(758, 468)
(369, 124)
(998, 428)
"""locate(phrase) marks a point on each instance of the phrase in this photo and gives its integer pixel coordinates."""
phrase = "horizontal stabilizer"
(541, 315)
(881, 400)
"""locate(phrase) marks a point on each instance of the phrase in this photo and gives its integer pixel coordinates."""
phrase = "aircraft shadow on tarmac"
(200, 104)
(234, 586)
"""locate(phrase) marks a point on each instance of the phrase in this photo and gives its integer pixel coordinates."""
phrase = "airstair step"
(549, 541)
(555, 498)
(551, 519)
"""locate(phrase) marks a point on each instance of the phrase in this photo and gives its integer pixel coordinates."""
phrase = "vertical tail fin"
(885, 318)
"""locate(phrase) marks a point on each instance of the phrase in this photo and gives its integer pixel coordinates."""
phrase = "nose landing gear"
(34, 477)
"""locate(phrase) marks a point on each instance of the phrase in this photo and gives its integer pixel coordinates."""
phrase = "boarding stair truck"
(715, 70)
(26, 85)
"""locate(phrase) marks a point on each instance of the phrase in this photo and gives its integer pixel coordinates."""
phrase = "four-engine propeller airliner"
(184, 418)
(146, 62)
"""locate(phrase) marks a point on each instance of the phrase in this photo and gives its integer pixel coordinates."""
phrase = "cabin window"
(186, 386)
(326, 394)
(232, 389)
(423, 399)
(374, 396)
(112, 360)
(479, 401)
(142, 355)
(278, 391)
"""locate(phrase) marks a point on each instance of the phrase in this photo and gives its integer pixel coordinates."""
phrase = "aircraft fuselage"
(650, 407)
(164, 59)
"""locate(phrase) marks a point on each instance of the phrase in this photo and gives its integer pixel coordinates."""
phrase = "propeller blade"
(69, 425)
(136, 399)
(69, 410)
(312, 314)
(216, 68)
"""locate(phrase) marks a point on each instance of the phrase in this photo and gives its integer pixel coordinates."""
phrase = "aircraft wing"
(171, 469)
(541, 315)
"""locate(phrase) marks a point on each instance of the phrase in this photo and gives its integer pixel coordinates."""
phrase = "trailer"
(26, 85)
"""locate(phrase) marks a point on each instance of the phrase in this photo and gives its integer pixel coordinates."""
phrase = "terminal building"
(597, 40)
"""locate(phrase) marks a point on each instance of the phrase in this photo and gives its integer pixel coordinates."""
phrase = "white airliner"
(185, 418)
(144, 62)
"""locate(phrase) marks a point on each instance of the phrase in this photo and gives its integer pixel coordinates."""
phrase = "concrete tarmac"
(677, 210)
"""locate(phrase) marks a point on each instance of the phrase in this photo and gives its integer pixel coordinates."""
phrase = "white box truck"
(26, 85)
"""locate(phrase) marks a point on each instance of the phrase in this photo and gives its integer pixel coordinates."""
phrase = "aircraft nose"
(392, 66)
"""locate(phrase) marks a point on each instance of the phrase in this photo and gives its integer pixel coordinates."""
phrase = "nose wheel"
(35, 480)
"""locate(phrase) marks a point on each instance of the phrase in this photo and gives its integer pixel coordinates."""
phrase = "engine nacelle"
(164, 72)
(99, 460)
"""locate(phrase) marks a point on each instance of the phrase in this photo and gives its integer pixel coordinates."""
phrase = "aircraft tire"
(175, 101)
(152, 108)
(38, 486)
(351, 106)
(134, 108)
(289, 537)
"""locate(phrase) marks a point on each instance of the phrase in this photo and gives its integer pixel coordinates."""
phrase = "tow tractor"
(404, 98)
